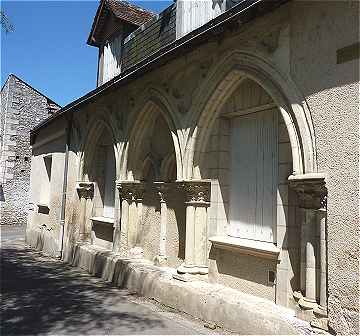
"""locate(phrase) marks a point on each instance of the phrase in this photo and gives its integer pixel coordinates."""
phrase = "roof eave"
(173, 48)
(91, 38)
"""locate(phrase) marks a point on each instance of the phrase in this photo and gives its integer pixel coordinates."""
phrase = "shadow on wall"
(55, 298)
(177, 204)
(242, 267)
(149, 233)
(2, 197)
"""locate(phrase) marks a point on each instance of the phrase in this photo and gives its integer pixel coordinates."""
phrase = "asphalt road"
(43, 296)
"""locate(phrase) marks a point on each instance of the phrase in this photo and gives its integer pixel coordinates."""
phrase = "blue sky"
(48, 48)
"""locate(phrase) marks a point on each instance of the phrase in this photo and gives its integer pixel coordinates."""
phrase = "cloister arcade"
(228, 192)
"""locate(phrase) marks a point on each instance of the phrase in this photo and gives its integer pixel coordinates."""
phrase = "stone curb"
(225, 307)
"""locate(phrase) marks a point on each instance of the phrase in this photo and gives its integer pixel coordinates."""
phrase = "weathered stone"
(22, 108)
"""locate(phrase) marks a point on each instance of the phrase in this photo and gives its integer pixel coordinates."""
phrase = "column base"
(320, 319)
(160, 261)
(193, 269)
(297, 296)
(320, 311)
(307, 304)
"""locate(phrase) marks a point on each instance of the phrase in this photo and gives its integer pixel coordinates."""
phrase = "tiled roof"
(129, 12)
(122, 11)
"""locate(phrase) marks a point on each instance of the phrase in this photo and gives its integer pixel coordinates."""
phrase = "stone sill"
(246, 246)
(104, 220)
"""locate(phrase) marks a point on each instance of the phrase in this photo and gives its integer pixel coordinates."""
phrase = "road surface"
(43, 296)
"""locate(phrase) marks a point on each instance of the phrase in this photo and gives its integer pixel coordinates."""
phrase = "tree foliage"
(6, 23)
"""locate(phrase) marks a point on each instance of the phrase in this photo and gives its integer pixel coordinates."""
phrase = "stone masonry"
(22, 108)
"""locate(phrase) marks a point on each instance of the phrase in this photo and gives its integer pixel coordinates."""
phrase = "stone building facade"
(215, 166)
(22, 108)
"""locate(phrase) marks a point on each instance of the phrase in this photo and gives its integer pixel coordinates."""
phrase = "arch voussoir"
(222, 81)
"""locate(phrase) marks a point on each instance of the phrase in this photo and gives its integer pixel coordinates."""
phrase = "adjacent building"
(22, 108)
(221, 145)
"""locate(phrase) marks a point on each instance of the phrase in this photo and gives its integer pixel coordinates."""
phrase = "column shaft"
(198, 200)
(303, 253)
(124, 224)
(323, 280)
(82, 218)
(163, 224)
(85, 191)
(201, 238)
(310, 290)
(132, 224)
(87, 220)
(190, 235)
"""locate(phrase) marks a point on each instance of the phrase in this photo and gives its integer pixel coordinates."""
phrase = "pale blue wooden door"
(253, 176)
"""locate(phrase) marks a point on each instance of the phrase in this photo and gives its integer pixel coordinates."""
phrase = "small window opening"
(26, 158)
(46, 180)
(17, 157)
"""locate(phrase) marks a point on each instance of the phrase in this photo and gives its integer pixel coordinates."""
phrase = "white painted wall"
(112, 58)
(191, 14)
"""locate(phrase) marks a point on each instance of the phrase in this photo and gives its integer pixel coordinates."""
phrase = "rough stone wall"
(22, 108)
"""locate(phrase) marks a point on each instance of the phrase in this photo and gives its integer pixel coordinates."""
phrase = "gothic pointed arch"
(222, 81)
(97, 127)
(156, 115)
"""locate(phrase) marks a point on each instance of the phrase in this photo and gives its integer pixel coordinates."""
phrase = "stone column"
(322, 309)
(197, 195)
(117, 223)
(131, 195)
(138, 190)
(85, 191)
(310, 261)
(122, 248)
(162, 190)
(311, 191)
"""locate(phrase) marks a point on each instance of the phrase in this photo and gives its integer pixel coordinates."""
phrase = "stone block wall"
(22, 108)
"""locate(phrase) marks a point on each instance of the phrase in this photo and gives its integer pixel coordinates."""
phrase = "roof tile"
(130, 12)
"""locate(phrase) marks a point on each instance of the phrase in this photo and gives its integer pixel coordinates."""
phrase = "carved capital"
(163, 190)
(197, 191)
(85, 189)
(139, 190)
(131, 190)
(311, 190)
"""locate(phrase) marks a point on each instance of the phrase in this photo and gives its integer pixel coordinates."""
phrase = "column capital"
(197, 191)
(131, 190)
(163, 189)
(85, 189)
(311, 190)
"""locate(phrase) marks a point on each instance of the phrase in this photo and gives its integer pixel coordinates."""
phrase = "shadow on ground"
(52, 297)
